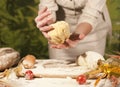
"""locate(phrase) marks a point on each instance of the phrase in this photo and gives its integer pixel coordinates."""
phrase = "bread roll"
(89, 59)
(29, 61)
(8, 58)
(60, 32)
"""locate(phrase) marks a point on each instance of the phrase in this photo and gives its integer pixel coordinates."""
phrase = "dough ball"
(89, 59)
(60, 33)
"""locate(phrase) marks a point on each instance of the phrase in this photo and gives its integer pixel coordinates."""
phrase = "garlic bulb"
(89, 59)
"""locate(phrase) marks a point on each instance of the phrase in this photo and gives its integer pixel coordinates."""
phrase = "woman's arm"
(46, 16)
(51, 5)
(90, 14)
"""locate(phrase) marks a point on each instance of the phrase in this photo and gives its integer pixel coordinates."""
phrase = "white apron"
(78, 11)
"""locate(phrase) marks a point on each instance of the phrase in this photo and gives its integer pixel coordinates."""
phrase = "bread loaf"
(8, 57)
(89, 59)
(29, 61)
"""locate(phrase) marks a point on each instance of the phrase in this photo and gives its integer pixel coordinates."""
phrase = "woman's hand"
(71, 42)
(81, 31)
(43, 20)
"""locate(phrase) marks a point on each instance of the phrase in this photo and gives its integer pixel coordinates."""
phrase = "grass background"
(18, 29)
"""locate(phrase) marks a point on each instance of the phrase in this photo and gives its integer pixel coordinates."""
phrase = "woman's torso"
(70, 11)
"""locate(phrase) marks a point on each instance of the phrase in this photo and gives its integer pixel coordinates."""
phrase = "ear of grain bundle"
(8, 58)
(60, 32)
(4, 84)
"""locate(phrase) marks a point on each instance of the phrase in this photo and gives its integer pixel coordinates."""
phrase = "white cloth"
(53, 82)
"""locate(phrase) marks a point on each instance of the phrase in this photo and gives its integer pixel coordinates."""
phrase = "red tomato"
(29, 75)
(81, 79)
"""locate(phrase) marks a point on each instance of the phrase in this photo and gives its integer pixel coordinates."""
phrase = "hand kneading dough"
(60, 32)
(89, 59)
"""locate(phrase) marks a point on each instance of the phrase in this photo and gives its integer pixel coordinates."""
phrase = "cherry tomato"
(81, 79)
(29, 75)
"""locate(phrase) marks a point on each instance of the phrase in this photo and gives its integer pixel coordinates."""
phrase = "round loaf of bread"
(8, 57)
(60, 33)
(29, 61)
(89, 59)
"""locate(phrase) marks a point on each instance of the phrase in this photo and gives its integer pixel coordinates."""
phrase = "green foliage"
(18, 29)
(113, 44)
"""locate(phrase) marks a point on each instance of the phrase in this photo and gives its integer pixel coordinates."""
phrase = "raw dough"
(60, 32)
